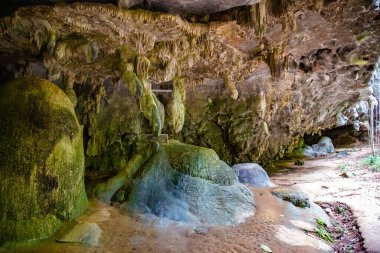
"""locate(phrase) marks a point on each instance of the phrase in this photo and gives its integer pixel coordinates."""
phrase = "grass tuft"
(373, 161)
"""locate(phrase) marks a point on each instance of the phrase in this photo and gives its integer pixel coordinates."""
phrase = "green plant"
(344, 167)
(322, 232)
(373, 161)
(340, 209)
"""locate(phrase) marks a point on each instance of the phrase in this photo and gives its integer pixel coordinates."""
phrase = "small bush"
(373, 161)
(322, 232)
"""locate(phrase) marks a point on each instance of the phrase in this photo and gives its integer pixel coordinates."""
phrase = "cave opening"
(189, 126)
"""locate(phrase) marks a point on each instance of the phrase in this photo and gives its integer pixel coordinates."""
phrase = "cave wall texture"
(246, 79)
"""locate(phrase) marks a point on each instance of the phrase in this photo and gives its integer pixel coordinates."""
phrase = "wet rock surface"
(142, 233)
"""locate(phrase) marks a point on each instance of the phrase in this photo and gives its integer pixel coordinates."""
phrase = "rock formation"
(257, 77)
(41, 162)
(247, 79)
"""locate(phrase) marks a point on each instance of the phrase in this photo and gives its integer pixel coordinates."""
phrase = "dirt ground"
(325, 180)
(276, 224)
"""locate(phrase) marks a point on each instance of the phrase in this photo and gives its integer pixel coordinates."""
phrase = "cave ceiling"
(310, 60)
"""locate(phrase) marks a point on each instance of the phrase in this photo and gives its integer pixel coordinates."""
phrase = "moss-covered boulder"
(188, 183)
(41, 160)
(199, 162)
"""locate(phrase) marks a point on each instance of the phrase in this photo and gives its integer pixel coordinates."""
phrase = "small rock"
(299, 162)
(326, 142)
(346, 175)
(252, 174)
(201, 230)
(342, 154)
(86, 233)
(308, 151)
(328, 210)
(297, 198)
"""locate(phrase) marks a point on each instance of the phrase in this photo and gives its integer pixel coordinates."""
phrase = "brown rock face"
(185, 7)
(257, 77)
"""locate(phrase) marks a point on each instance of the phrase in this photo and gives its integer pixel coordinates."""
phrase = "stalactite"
(5, 23)
(145, 16)
(274, 62)
(143, 42)
(319, 5)
(258, 17)
(142, 66)
(170, 69)
(128, 75)
(286, 62)
(68, 81)
(230, 85)
(78, 48)
(284, 23)
(177, 106)
(130, 79)
(149, 106)
(54, 72)
(38, 38)
(51, 44)
(292, 21)
(277, 7)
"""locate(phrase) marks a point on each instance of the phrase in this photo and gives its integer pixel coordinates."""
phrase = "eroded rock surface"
(187, 183)
(256, 78)
(41, 160)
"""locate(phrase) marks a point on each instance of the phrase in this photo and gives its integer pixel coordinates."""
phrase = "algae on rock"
(41, 160)
(198, 162)
(177, 106)
(189, 183)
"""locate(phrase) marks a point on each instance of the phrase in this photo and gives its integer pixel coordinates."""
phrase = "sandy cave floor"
(277, 224)
(323, 180)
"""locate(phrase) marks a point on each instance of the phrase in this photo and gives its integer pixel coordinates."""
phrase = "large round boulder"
(252, 174)
(41, 160)
(188, 183)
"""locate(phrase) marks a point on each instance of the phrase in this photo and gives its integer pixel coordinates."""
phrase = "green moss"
(74, 48)
(21, 231)
(142, 66)
(363, 36)
(359, 62)
(130, 79)
(177, 107)
(199, 162)
(150, 108)
(189, 159)
(41, 161)
(105, 191)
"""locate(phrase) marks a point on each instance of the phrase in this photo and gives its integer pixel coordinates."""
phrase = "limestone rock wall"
(257, 77)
